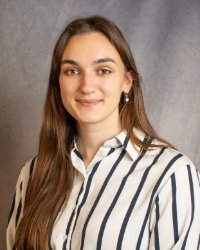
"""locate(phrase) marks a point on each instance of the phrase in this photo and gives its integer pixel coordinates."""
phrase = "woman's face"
(92, 79)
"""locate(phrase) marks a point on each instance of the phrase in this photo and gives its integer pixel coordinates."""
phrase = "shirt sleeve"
(175, 218)
(17, 206)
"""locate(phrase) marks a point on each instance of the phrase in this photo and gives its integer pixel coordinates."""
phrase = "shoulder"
(175, 201)
(16, 210)
(24, 178)
(170, 156)
(27, 169)
(163, 159)
(172, 163)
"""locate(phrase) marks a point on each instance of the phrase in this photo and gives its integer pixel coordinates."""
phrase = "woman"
(103, 178)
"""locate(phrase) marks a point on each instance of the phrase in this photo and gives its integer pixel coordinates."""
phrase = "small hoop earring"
(126, 99)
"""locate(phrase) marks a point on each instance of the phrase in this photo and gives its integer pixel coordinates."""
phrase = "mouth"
(88, 102)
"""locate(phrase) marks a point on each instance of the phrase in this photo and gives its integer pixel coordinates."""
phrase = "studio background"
(165, 38)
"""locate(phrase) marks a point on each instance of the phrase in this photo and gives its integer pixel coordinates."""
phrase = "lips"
(88, 102)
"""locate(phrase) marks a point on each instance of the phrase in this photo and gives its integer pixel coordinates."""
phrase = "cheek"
(64, 90)
(67, 89)
(113, 88)
(66, 94)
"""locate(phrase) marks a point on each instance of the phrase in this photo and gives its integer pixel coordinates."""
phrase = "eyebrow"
(101, 60)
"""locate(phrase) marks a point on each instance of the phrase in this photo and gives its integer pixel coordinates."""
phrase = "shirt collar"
(123, 140)
(132, 149)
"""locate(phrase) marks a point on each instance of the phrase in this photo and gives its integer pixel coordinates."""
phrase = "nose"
(87, 84)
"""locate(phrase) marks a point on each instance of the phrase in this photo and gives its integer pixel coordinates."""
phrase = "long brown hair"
(52, 181)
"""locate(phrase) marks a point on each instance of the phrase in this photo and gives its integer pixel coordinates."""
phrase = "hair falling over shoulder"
(52, 179)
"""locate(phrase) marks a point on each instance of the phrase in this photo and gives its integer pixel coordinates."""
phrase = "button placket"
(75, 213)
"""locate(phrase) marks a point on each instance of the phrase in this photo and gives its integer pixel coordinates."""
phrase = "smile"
(88, 102)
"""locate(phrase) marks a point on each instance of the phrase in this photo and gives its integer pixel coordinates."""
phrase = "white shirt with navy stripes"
(125, 199)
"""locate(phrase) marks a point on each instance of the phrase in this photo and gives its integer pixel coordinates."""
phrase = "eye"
(71, 71)
(104, 71)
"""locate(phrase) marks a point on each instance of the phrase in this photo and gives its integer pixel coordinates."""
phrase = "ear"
(128, 81)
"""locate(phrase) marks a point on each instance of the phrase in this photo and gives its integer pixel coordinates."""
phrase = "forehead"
(94, 44)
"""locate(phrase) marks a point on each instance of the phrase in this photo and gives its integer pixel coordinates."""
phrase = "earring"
(126, 99)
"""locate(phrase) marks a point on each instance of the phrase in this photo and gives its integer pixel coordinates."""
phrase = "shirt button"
(65, 237)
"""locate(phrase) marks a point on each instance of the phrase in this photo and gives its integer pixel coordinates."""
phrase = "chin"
(89, 120)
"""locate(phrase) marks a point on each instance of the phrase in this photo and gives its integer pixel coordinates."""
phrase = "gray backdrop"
(165, 38)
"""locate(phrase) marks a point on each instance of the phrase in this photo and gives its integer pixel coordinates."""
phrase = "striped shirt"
(125, 199)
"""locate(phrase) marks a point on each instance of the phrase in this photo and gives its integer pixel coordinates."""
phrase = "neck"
(92, 136)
